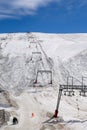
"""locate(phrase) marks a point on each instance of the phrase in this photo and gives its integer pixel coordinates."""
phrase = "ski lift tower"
(69, 90)
(42, 73)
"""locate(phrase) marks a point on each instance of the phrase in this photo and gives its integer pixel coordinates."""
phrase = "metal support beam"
(58, 102)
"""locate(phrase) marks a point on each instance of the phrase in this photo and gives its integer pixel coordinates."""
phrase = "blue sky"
(50, 16)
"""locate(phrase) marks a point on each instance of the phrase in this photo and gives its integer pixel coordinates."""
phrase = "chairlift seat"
(69, 92)
(83, 93)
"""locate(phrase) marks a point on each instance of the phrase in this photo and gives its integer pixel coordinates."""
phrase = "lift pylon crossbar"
(44, 71)
(36, 53)
(76, 87)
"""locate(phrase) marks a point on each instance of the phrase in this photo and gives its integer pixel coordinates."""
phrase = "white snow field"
(32, 66)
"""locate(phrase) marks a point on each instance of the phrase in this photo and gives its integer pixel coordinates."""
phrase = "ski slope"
(22, 55)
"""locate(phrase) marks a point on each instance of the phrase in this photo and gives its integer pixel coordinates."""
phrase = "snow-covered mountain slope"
(76, 66)
(23, 54)
(62, 45)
